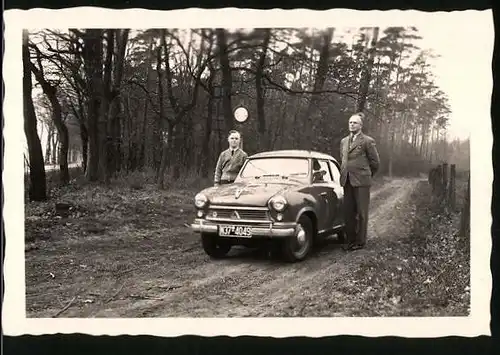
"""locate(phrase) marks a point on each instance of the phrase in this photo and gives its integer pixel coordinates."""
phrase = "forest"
(161, 101)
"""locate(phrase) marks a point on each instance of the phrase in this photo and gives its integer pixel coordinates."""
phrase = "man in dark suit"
(230, 160)
(360, 161)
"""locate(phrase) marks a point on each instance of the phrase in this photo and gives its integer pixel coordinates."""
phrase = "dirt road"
(164, 272)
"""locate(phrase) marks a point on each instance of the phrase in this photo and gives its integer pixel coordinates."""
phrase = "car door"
(327, 198)
(339, 193)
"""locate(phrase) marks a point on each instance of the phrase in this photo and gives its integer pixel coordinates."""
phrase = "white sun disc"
(241, 114)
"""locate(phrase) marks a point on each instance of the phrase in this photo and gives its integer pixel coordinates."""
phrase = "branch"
(65, 308)
(148, 94)
(183, 50)
(297, 92)
(58, 60)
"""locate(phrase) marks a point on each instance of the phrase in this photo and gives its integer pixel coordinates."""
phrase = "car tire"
(214, 247)
(292, 250)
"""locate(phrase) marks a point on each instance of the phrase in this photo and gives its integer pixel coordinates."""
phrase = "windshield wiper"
(287, 177)
(266, 175)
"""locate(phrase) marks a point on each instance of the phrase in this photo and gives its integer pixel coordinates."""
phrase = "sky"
(463, 71)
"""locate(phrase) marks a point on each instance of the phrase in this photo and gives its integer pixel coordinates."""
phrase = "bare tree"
(37, 189)
(51, 91)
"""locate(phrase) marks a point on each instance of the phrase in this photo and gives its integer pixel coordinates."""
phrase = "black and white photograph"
(191, 167)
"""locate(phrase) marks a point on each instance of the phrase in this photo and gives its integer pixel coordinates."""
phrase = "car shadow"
(265, 253)
(326, 245)
(260, 253)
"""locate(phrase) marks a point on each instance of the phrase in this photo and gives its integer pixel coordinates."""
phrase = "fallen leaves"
(425, 273)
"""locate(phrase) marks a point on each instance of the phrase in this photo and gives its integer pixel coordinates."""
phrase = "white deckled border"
(14, 319)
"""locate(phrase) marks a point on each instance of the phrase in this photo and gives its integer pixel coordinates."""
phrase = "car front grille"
(236, 214)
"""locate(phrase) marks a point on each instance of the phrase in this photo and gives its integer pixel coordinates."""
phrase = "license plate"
(235, 231)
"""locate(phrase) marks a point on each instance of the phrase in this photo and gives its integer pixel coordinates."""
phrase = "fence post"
(465, 218)
(451, 197)
(444, 182)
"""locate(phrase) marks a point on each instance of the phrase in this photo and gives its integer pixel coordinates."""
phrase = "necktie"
(232, 152)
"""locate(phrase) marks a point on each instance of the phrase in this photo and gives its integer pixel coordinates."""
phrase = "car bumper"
(274, 230)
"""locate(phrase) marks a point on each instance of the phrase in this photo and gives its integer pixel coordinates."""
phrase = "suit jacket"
(228, 166)
(360, 161)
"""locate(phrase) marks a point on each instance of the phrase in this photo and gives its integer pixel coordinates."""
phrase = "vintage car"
(291, 198)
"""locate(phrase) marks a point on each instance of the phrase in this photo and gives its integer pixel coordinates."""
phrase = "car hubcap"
(300, 242)
(301, 237)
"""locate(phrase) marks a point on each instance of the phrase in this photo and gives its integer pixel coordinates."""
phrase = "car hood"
(247, 194)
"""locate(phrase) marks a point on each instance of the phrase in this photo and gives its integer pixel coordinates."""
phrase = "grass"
(133, 200)
(426, 273)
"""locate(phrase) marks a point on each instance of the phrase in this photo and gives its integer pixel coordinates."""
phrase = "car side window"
(324, 166)
(335, 171)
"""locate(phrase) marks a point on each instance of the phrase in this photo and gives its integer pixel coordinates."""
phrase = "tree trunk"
(146, 155)
(92, 54)
(391, 150)
(166, 155)
(189, 144)
(48, 151)
(312, 114)
(104, 118)
(114, 123)
(80, 114)
(165, 146)
(55, 143)
(226, 78)
(37, 187)
(393, 123)
(261, 119)
(126, 134)
(422, 141)
(51, 93)
(367, 72)
(208, 129)
(84, 136)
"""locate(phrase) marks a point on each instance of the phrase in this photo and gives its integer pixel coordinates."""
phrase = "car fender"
(303, 210)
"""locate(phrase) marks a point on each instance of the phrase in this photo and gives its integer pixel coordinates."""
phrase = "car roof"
(293, 153)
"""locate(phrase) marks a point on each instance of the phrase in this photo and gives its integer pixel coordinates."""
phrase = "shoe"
(352, 247)
(357, 247)
(347, 247)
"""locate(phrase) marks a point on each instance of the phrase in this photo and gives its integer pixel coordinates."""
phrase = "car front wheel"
(214, 247)
(297, 247)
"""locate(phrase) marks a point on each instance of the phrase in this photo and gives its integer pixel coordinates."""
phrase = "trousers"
(356, 206)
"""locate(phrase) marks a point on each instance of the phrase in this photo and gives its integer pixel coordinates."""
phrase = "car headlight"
(200, 200)
(278, 203)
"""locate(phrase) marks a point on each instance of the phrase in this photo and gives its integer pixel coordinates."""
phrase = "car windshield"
(276, 167)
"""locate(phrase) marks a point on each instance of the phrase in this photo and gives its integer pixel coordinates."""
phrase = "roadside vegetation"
(424, 273)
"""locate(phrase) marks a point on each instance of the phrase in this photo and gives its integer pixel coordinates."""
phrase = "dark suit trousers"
(356, 203)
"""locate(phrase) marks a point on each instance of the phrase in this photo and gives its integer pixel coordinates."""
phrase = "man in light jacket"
(230, 160)
(360, 161)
